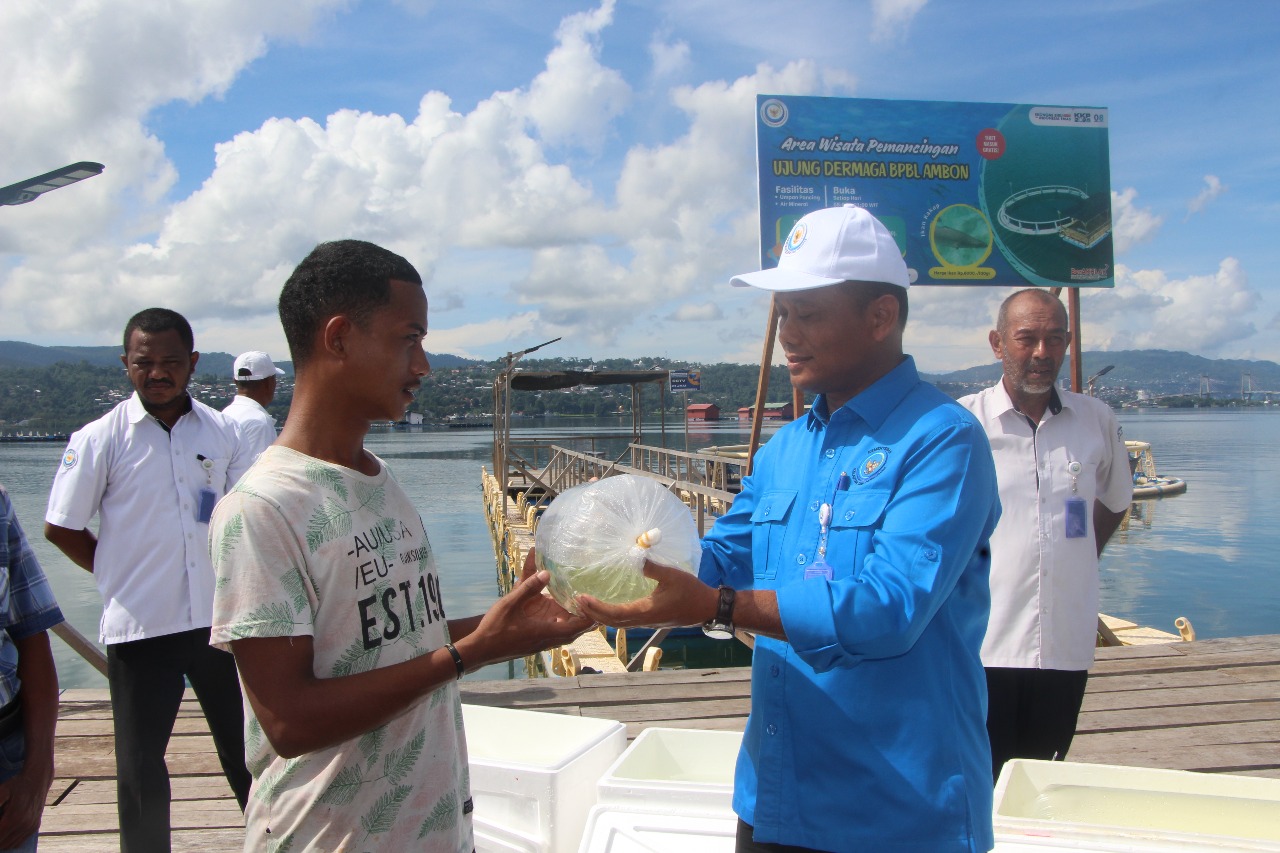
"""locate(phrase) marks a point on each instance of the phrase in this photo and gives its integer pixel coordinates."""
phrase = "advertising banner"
(995, 194)
(686, 380)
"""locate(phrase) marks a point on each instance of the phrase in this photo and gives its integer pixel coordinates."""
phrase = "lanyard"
(820, 567)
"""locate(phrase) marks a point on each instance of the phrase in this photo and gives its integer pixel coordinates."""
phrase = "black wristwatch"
(721, 625)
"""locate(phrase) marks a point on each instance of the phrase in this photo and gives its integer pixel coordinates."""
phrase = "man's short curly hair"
(350, 277)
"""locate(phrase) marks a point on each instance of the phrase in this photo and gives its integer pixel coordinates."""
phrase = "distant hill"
(56, 389)
(22, 354)
(444, 361)
(1161, 372)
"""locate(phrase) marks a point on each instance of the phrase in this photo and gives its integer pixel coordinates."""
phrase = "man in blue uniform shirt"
(857, 552)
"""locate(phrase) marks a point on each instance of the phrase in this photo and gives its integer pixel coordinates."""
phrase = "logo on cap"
(796, 239)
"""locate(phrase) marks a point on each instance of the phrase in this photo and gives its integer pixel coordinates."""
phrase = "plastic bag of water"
(595, 538)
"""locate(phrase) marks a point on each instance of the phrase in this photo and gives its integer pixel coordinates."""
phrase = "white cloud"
(575, 97)
(471, 340)
(522, 198)
(1213, 187)
(82, 75)
(1131, 225)
(892, 17)
(1149, 310)
(684, 218)
(947, 326)
(703, 312)
(445, 180)
(669, 58)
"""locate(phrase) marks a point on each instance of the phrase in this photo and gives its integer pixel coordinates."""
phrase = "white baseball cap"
(254, 365)
(829, 246)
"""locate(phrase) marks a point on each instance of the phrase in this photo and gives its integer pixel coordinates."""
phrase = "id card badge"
(820, 569)
(1077, 518)
(204, 506)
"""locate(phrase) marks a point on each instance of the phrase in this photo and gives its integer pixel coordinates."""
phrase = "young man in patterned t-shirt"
(329, 596)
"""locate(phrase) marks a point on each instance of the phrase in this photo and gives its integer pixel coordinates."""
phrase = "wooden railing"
(568, 468)
(82, 645)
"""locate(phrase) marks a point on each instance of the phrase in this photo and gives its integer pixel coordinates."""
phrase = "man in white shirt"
(255, 377)
(152, 469)
(330, 597)
(1065, 485)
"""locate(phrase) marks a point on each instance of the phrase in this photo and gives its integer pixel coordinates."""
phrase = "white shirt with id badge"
(153, 491)
(1044, 563)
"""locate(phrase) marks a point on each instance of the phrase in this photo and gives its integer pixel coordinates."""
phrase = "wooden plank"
(185, 725)
(1129, 719)
(189, 841)
(725, 724)
(1212, 705)
(1245, 658)
(1154, 701)
(1267, 646)
(1227, 747)
(1255, 674)
(1171, 681)
(102, 817)
(88, 792)
(82, 645)
(1269, 642)
(693, 711)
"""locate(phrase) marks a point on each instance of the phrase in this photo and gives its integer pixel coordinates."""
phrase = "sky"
(587, 170)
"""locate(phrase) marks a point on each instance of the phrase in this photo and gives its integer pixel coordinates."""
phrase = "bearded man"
(1065, 484)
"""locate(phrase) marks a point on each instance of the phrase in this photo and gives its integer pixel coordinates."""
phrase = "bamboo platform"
(1211, 705)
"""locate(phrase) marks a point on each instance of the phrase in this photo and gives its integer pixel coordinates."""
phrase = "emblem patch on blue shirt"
(70, 458)
(871, 466)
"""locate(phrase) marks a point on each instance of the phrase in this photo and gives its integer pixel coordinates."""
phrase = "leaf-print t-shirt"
(307, 548)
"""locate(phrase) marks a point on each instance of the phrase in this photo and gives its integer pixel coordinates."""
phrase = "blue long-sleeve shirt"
(27, 605)
(868, 727)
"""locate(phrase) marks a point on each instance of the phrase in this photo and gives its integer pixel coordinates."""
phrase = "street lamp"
(32, 188)
(1103, 372)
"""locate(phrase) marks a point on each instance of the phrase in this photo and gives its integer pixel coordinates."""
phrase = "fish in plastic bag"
(595, 538)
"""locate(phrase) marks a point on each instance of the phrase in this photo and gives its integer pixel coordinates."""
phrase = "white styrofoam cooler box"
(614, 828)
(1110, 808)
(533, 776)
(670, 792)
(683, 770)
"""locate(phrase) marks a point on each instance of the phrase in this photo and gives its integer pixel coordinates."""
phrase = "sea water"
(1208, 555)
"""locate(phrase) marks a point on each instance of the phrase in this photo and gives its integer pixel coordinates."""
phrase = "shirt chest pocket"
(768, 529)
(855, 516)
(213, 473)
(1075, 478)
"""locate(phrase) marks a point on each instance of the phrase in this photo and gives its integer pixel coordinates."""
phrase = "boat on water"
(25, 437)
(1146, 482)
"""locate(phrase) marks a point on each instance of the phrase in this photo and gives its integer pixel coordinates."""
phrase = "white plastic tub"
(534, 774)
(614, 828)
(1106, 807)
(675, 771)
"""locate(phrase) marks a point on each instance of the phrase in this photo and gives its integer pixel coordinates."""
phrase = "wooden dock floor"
(1211, 705)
